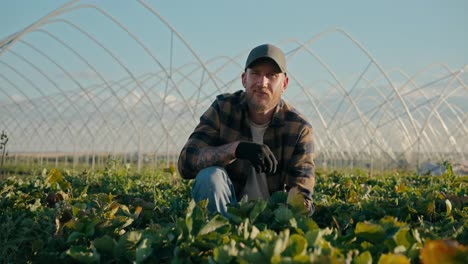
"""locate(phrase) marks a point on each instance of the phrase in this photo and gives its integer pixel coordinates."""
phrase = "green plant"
(118, 216)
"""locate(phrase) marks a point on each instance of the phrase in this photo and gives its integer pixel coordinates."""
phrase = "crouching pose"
(251, 142)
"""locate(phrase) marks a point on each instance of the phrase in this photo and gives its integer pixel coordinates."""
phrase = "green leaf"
(370, 232)
(281, 243)
(84, 192)
(226, 253)
(74, 236)
(267, 235)
(83, 254)
(431, 208)
(37, 245)
(311, 236)
(215, 223)
(297, 246)
(197, 220)
(301, 259)
(105, 244)
(75, 211)
(403, 237)
(279, 197)
(143, 250)
(243, 229)
(188, 216)
(235, 215)
(254, 232)
(126, 246)
(90, 228)
(306, 224)
(74, 225)
(283, 214)
(259, 207)
(363, 258)
(245, 207)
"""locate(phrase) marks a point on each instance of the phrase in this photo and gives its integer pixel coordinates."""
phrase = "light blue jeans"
(213, 183)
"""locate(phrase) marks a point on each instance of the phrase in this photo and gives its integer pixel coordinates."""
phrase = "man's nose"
(262, 80)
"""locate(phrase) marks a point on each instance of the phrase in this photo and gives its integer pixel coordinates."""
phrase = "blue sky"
(399, 34)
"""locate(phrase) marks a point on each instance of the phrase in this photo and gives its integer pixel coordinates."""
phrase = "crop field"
(115, 215)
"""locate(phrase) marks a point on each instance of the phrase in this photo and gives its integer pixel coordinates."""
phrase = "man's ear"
(243, 78)
(285, 82)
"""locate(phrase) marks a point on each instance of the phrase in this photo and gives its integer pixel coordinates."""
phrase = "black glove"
(259, 155)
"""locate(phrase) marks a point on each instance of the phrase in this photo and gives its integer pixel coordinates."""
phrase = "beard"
(255, 106)
(261, 105)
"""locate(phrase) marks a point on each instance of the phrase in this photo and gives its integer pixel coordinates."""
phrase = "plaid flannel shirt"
(289, 136)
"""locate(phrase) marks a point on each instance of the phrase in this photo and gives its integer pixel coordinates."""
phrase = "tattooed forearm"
(217, 156)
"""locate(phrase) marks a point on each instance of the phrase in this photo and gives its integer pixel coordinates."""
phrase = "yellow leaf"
(171, 169)
(449, 206)
(137, 212)
(443, 251)
(393, 259)
(114, 207)
(54, 176)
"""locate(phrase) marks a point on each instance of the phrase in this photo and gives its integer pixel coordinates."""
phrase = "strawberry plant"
(117, 216)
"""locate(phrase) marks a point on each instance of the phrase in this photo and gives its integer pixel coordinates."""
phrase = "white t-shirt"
(256, 186)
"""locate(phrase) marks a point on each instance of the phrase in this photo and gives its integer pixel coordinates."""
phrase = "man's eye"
(273, 75)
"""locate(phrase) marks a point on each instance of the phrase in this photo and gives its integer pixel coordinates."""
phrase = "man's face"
(264, 83)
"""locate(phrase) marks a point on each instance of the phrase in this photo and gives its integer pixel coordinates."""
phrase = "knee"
(211, 176)
(213, 184)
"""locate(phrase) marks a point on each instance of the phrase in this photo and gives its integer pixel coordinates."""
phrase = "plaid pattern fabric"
(289, 136)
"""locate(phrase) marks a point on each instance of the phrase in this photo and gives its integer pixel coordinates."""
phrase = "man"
(251, 143)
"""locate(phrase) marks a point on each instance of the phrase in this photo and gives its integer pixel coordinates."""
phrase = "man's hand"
(299, 204)
(259, 155)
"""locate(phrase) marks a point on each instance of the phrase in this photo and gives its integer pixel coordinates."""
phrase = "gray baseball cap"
(267, 51)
